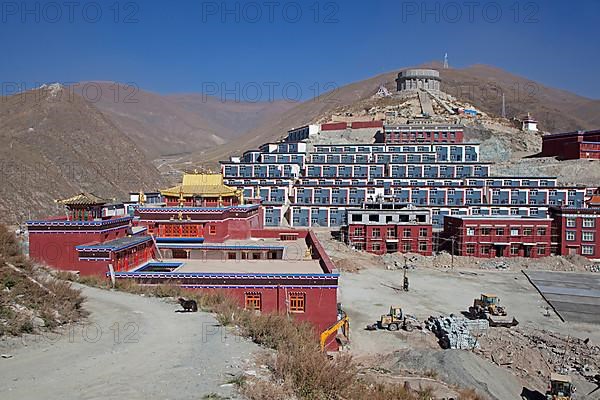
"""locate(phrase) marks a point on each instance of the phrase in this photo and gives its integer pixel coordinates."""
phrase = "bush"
(9, 245)
(28, 291)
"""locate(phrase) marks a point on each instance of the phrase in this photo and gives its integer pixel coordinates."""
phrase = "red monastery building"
(201, 236)
(87, 241)
(572, 145)
(576, 231)
(381, 228)
(498, 236)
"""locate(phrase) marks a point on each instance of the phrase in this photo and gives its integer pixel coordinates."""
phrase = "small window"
(541, 250)
(231, 256)
(587, 250)
(212, 230)
(297, 302)
(587, 236)
(470, 249)
(253, 301)
(514, 249)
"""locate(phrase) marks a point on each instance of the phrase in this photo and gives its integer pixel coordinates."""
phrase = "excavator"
(560, 388)
(343, 323)
(488, 307)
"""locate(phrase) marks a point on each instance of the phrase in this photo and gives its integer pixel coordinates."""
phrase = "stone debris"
(458, 332)
(535, 352)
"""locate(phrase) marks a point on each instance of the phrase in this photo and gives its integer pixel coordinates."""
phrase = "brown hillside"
(481, 85)
(56, 144)
(176, 124)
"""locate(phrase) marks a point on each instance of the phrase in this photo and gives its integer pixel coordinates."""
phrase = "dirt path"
(132, 347)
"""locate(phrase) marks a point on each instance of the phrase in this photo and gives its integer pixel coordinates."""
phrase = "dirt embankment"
(31, 299)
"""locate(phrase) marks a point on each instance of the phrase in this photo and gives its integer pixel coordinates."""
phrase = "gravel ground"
(369, 293)
(132, 347)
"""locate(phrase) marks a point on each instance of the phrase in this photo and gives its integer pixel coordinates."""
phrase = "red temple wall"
(321, 305)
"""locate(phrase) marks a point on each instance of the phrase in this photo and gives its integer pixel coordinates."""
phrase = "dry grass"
(29, 293)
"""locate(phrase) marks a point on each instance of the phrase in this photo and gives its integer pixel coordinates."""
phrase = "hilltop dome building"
(413, 79)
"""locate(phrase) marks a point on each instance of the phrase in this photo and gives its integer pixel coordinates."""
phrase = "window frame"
(297, 303)
(253, 301)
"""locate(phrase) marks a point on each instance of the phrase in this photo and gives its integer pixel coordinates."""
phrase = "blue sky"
(191, 45)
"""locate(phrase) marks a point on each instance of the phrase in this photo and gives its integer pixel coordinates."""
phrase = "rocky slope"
(479, 85)
(163, 125)
(56, 144)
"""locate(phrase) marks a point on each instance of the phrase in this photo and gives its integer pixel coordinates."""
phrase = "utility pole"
(452, 253)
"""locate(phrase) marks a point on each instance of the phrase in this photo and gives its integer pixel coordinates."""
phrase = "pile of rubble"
(457, 332)
(540, 352)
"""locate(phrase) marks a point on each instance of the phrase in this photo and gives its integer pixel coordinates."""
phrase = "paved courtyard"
(574, 296)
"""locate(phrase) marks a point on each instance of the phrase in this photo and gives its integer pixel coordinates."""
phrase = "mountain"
(480, 85)
(163, 125)
(56, 144)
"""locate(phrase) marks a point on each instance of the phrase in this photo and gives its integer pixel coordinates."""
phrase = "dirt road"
(131, 347)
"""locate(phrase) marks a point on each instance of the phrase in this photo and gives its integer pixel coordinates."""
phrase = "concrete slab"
(251, 266)
(574, 296)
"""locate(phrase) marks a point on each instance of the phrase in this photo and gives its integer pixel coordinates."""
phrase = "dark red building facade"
(200, 224)
(88, 246)
(306, 296)
(423, 133)
(503, 236)
(576, 231)
(389, 228)
(572, 145)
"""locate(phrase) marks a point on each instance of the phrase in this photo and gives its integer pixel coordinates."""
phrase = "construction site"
(504, 327)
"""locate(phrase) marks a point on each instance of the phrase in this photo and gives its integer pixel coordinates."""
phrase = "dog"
(188, 305)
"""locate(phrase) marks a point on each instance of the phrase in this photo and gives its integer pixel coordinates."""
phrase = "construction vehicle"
(395, 320)
(488, 307)
(343, 324)
(561, 387)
